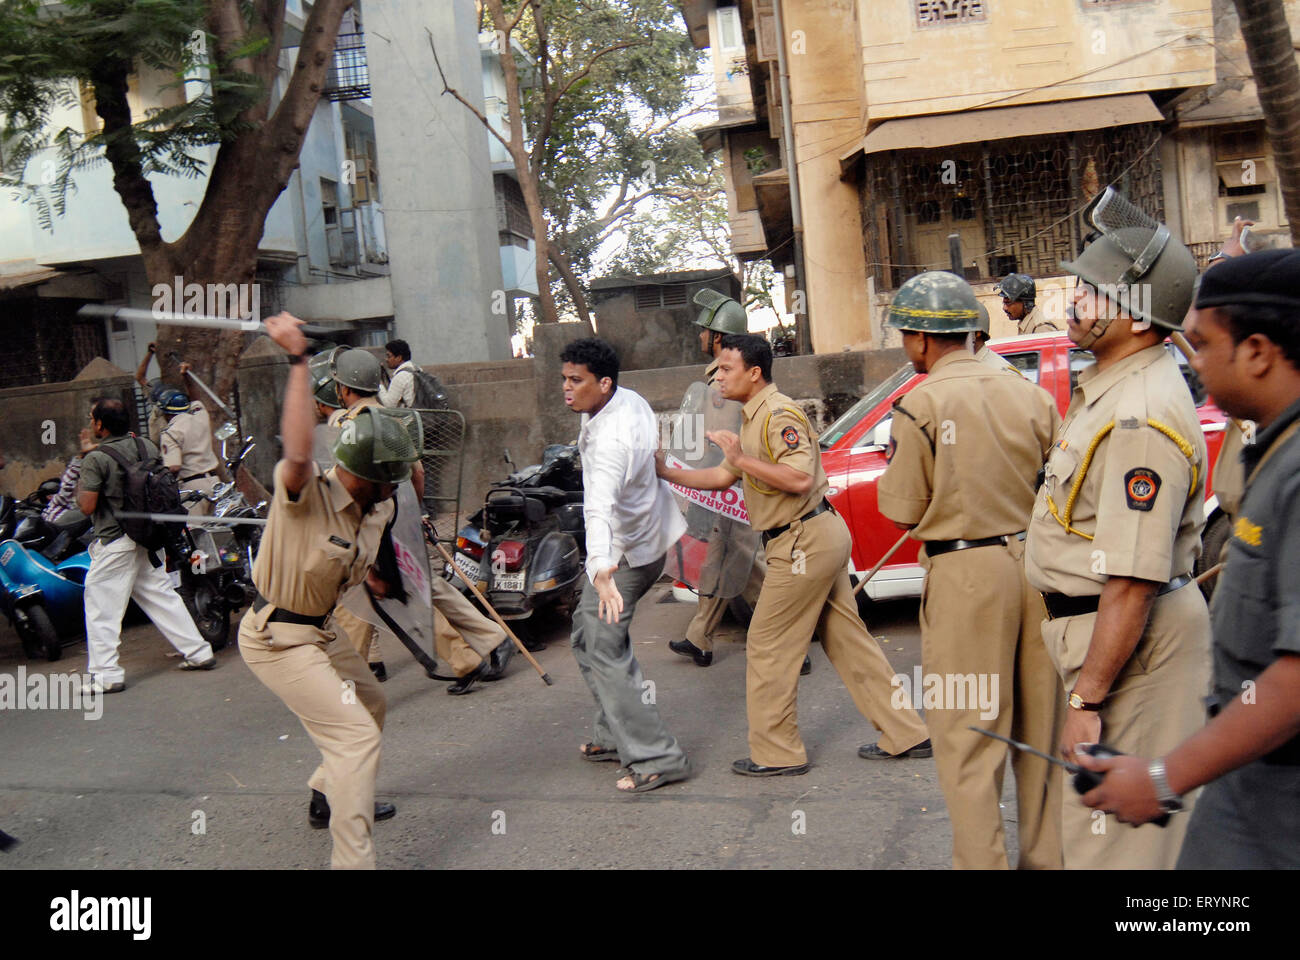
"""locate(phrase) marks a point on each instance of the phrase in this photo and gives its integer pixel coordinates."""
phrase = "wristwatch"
(1077, 702)
(1170, 802)
(297, 358)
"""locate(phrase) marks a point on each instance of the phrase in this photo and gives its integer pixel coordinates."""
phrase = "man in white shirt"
(631, 522)
(400, 391)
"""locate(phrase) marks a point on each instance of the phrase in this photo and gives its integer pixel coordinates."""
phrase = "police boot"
(318, 811)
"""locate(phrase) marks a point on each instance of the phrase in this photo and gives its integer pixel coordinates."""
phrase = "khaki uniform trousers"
(980, 618)
(807, 589)
(452, 648)
(323, 680)
(711, 610)
(362, 635)
(1156, 703)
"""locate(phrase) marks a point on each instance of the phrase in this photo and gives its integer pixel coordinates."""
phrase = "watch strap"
(1077, 702)
(1169, 801)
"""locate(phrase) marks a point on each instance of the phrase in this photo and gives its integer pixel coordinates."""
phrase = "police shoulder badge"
(1141, 484)
(791, 437)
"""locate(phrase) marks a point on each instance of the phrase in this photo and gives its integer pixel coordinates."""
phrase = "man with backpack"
(400, 391)
(125, 474)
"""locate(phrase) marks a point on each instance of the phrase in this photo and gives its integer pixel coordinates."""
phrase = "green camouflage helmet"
(321, 368)
(721, 314)
(935, 302)
(380, 444)
(358, 369)
(1136, 263)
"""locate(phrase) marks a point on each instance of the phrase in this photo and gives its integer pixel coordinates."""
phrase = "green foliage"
(615, 137)
(49, 55)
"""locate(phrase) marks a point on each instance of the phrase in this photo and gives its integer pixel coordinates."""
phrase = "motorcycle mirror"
(226, 431)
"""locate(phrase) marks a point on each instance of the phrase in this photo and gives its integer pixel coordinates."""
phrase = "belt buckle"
(1046, 609)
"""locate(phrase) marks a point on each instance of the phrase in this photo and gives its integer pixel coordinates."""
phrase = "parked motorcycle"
(42, 571)
(526, 549)
(219, 579)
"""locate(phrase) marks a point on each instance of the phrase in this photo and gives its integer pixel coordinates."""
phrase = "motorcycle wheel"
(211, 616)
(38, 635)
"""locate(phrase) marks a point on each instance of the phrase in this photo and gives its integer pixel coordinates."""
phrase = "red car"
(853, 456)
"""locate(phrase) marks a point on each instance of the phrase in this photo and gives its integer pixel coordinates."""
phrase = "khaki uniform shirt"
(1141, 500)
(349, 413)
(316, 546)
(1229, 472)
(711, 372)
(965, 448)
(1035, 321)
(157, 423)
(187, 443)
(775, 429)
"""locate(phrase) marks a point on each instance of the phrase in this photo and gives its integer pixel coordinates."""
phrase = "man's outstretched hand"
(611, 601)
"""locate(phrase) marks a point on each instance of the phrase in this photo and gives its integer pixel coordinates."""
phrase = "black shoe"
(318, 811)
(687, 649)
(919, 752)
(498, 660)
(463, 685)
(378, 669)
(748, 768)
(807, 666)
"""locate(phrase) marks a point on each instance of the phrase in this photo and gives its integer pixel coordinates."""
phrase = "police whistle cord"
(546, 677)
(1084, 780)
(190, 520)
(882, 561)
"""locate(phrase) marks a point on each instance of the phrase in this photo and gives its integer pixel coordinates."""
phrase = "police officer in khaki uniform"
(720, 315)
(806, 588)
(965, 449)
(322, 536)
(979, 343)
(186, 444)
(1019, 293)
(1117, 523)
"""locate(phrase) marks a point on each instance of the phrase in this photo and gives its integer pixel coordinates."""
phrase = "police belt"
(281, 615)
(770, 535)
(937, 548)
(197, 476)
(1058, 605)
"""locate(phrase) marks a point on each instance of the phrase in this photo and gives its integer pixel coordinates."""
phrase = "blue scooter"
(41, 597)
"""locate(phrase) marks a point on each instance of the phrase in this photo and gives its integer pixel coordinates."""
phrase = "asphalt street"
(209, 770)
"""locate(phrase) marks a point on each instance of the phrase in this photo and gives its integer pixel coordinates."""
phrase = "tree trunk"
(1277, 82)
(571, 282)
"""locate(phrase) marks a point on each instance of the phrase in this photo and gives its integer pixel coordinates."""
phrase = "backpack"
(429, 394)
(149, 487)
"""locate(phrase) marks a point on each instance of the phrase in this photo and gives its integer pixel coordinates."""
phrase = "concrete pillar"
(436, 181)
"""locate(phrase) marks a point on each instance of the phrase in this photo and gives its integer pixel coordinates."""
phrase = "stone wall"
(514, 405)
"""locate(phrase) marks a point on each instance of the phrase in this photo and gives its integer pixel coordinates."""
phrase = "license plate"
(508, 581)
(468, 566)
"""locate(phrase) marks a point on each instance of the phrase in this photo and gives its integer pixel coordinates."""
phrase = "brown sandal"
(596, 754)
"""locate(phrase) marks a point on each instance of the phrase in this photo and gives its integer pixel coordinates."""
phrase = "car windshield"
(855, 413)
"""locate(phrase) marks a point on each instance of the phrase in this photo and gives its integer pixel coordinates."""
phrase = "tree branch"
(288, 126)
(456, 94)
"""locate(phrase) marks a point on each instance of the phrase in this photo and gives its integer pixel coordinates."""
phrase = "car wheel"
(1212, 541)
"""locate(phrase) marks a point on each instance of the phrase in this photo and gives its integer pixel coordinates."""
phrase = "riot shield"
(719, 548)
(323, 439)
(408, 609)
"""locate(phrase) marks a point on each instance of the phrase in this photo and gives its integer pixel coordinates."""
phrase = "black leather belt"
(1059, 605)
(197, 476)
(936, 548)
(772, 534)
(281, 615)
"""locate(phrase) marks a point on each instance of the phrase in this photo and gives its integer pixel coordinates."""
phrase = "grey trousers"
(626, 714)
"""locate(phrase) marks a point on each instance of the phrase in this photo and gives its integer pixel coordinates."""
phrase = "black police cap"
(1267, 278)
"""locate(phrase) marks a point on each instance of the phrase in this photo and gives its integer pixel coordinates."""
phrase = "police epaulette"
(898, 405)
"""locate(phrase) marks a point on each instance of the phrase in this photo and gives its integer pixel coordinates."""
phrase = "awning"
(1004, 123)
(18, 274)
